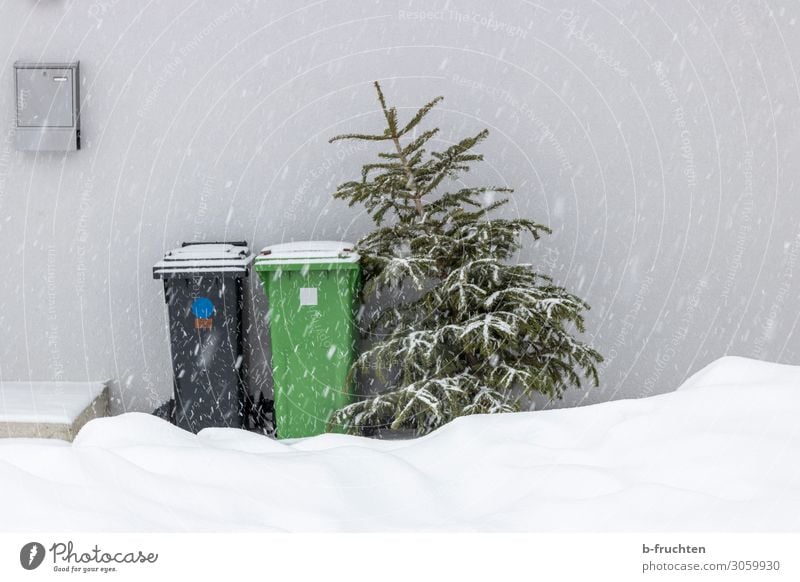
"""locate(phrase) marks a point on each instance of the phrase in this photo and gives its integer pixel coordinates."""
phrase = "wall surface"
(659, 140)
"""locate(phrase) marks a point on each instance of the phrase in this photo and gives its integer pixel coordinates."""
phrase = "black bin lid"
(219, 258)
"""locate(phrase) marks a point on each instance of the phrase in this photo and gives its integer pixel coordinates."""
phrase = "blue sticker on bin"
(202, 308)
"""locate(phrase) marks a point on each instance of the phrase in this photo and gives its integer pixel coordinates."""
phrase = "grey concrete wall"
(659, 140)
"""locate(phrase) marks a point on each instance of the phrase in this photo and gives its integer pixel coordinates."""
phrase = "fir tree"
(457, 328)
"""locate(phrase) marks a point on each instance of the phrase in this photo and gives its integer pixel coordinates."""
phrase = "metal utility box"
(48, 106)
(204, 291)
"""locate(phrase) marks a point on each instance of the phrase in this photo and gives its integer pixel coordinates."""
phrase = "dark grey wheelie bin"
(204, 291)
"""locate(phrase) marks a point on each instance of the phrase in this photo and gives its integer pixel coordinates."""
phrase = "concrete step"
(52, 410)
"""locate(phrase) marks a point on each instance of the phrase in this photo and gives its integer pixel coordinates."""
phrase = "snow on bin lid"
(310, 251)
(205, 257)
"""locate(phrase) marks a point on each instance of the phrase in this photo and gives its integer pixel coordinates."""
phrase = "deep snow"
(720, 453)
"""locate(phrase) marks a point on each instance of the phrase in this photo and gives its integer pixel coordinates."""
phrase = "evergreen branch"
(359, 136)
(392, 133)
(454, 159)
(423, 111)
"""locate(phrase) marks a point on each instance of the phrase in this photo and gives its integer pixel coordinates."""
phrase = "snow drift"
(720, 453)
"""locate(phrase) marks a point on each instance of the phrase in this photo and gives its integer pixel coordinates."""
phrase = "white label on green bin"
(308, 296)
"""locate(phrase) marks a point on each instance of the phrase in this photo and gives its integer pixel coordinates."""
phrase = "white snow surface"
(301, 248)
(719, 454)
(218, 257)
(308, 252)
(46, 402)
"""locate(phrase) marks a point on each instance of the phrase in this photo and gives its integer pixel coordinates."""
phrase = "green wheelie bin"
(312, 290)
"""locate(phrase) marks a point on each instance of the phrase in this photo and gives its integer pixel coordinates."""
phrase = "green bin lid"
(313, 255)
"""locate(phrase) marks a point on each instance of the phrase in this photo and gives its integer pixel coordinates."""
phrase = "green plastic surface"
(312, 345)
